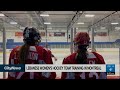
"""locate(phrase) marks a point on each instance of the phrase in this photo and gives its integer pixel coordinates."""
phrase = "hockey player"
(82, 56)
(30, 53)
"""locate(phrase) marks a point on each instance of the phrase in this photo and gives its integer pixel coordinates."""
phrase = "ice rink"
(110, 55)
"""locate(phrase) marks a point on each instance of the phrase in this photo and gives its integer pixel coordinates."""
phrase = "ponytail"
(23, 53)
(82, 54)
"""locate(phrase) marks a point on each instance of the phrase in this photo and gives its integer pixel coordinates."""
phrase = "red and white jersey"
(48, 50)
(92, 58)
(36, 55)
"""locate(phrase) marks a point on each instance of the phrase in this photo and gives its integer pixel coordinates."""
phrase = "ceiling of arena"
(59, 19)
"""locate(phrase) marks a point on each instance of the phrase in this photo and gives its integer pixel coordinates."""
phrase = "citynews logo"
(12, 68)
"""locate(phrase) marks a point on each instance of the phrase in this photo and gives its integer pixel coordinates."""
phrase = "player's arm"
(11, 75)
(48, 60)
(103, 75)
(67, 75)
(54, 57)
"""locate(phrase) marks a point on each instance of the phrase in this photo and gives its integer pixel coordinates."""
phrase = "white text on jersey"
(33, 56)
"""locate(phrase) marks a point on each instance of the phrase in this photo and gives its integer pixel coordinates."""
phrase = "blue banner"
(12, 68)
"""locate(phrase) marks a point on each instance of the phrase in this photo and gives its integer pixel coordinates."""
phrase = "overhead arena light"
(76, 28)
(89, 15)
(103, 28)
(22, 28)
(47, 23)
(44, 15)
(81, 23)
(2, 15)
(49, 28)
(114, 23)
(13, 22)
(117, 28)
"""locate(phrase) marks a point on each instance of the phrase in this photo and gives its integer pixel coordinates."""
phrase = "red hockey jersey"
(37, 55)
(92, 58)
